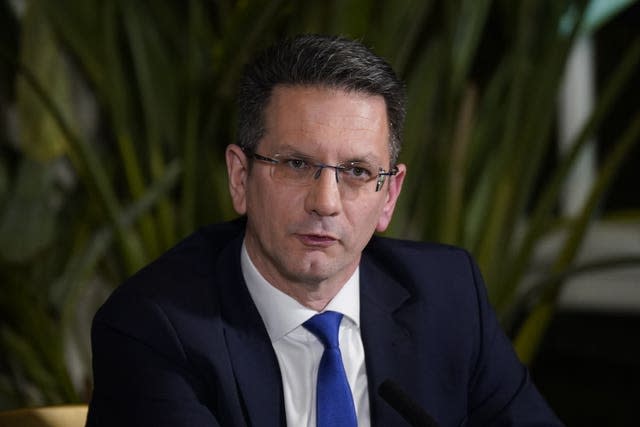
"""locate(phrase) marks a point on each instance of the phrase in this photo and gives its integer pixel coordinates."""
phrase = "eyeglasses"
(299, 170)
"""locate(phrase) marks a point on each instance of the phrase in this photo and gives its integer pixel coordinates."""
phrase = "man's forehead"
(293, 107)
(319, 120)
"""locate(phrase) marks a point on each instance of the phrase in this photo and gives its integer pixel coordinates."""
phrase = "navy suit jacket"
(181, 343)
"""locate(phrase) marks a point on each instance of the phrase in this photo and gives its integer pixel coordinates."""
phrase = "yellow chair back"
(48, 416)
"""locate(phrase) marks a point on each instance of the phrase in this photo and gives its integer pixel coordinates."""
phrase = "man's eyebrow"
(289, 150)
(367, 158)
(371, 158)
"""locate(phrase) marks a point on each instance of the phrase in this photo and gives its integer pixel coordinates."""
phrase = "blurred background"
(522, 144)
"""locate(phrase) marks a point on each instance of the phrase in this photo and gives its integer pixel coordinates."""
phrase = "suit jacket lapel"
(252, 356)
(386, 334)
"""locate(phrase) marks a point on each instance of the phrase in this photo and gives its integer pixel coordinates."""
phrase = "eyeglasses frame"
(380, 177)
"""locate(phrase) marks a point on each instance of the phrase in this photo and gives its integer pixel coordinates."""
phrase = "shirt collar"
(281, 313)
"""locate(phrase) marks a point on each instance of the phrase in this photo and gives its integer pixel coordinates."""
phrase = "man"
(222, 330)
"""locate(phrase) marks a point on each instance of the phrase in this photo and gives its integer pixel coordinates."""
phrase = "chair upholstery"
(48, 416)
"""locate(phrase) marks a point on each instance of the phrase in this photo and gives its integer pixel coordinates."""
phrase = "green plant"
(124, 109)
(478, 144)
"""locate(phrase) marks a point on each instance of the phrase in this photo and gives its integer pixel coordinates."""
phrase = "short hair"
(317, 60)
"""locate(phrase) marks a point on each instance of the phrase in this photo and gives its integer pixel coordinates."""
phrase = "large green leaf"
(40, 136)
(28, 218)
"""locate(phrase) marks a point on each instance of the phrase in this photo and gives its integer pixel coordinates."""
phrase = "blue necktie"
(334, 402)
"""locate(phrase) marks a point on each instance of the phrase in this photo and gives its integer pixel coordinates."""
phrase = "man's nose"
(324, 197)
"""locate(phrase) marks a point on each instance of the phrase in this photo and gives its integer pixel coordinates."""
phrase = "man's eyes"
(296, 163)
(351, 170)
(357, 171)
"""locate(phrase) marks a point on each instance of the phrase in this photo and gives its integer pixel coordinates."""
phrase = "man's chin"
(314, 272)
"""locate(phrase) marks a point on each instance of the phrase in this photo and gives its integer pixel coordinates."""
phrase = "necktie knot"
(325, 326)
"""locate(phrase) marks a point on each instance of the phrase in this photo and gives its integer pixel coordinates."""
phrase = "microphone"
(408, 408)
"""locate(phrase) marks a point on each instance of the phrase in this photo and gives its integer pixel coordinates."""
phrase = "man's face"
(303, 237)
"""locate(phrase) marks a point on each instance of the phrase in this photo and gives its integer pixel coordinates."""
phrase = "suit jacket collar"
(252, 357)
(386, 331)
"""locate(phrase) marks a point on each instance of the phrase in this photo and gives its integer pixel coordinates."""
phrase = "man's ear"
(237, 171)
(395, 186)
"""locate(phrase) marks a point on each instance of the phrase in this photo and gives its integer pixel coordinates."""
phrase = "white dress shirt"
(299, 351)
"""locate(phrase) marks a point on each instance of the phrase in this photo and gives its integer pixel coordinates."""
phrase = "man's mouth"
(318, 240)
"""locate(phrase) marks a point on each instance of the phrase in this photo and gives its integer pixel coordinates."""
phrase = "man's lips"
(322, 240)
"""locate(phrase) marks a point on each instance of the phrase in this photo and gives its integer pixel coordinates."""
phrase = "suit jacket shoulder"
(181, 343)
(427, 325)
